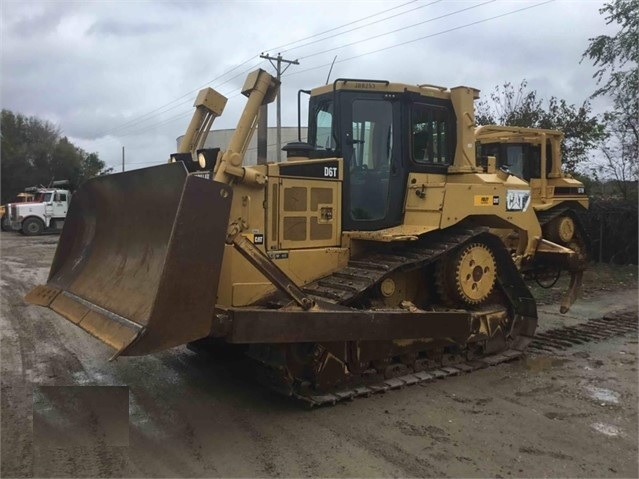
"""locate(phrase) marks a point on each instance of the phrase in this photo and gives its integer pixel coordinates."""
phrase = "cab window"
(324, 127)
(430, 135)
(515, 160)
(371, 137)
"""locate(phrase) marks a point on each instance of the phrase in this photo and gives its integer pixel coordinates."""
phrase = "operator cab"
(365, 123)
(522, 159)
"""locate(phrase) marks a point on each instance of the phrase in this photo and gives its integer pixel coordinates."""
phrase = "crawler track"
(385, 365)
(349, 284)
(593, 330)
(553, 340)
(399, 382)
(578, 215)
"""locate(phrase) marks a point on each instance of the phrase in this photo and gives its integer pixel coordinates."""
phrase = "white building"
(220, 139)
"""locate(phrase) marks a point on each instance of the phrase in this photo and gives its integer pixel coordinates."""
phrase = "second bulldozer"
(365, 259)
(559, 200)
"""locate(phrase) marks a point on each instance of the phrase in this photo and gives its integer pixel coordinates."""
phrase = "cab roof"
(491, 133)
(348, 84)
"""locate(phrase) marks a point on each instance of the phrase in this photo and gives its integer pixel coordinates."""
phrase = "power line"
(363, 26)
(155, 112)
(278, 69)
(243, 72)
(423, 38)
(231, 94)
(183, 114)
(336, 28)
(150, 113)
(353, 43)
(401, 29)
(363, 54)
(142, 120)
(146, 128)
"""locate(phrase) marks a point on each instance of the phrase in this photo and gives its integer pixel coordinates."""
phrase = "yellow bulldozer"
(559, 200)
(365, 261)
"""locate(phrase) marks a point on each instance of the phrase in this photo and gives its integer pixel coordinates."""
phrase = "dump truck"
(559, 200)
(365, 261)
(44, 214)
(23, 197)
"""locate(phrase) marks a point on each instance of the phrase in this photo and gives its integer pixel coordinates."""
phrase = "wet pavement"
(570, 413)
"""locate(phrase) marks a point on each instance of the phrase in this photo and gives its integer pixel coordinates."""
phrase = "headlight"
(207, 158)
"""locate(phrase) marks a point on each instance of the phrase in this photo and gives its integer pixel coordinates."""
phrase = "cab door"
(59, 206)
(375, 179)
(48, 201)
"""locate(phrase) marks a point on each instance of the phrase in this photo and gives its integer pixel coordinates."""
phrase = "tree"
(617, 56)
(521, 107)
(34, 153)
(617, 59)
(64, 161)
(92, 166)
(619, 155)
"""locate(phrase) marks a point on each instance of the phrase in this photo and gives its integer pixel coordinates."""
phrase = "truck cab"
(23, 197)
(45, 214)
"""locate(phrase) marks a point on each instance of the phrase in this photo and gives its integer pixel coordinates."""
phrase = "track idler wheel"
(468, 276)
(562, 230)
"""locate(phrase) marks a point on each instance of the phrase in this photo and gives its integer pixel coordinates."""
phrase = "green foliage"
(518, 106)
(617, 59)
(619, 150)
(612, 226)
(34, 153)
(613, 213)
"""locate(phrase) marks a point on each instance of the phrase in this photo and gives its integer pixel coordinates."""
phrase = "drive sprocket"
(468, 277)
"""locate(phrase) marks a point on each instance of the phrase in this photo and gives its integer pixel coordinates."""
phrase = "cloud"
(119, 28)
(126, 73)
(28, 20)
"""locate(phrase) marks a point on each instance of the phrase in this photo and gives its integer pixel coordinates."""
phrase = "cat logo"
(256, 238)
(486, 200)
(517, 200)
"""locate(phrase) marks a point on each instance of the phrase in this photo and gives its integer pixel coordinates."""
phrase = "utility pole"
(123, 159)
(279, 71)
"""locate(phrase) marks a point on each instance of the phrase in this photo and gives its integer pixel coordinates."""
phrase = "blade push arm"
(261, 89)
(209, 104)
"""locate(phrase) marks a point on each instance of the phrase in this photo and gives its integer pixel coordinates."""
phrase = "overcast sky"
(125, 73)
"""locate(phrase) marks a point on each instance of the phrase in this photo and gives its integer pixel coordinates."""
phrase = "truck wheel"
(4, 223)
(32, 227)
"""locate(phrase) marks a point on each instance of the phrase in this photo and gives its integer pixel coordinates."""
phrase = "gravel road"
(570, 414)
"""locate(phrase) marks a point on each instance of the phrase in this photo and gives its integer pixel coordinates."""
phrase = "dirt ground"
(572, 414)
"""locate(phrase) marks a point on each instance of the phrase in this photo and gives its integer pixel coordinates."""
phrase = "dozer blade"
(139, 258)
